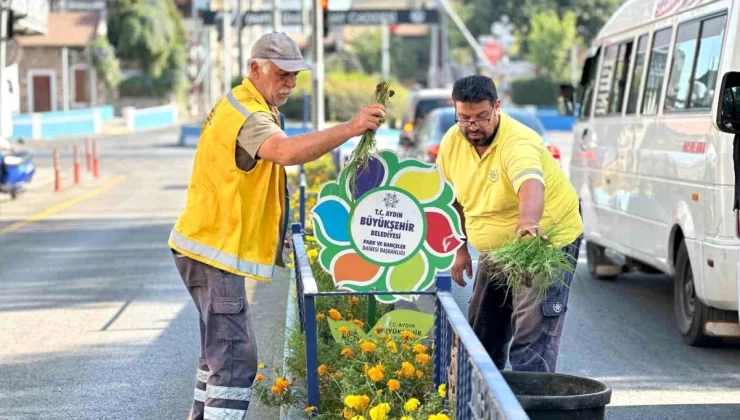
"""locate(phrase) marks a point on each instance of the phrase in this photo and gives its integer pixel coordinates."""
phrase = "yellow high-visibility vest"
(233, 220)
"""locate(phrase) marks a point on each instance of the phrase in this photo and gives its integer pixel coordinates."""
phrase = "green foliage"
(541, 91)
(318, 172)
(405, 54)
(106, 64)
(151, 34)
(550, 40)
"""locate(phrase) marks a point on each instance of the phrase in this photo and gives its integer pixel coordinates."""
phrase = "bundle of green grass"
(531, 262)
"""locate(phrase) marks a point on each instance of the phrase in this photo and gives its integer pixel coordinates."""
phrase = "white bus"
(658, 107)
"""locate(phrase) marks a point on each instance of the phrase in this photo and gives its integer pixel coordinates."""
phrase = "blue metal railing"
(475, 386)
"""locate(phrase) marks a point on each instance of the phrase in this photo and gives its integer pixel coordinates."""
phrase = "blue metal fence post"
(302, 208)
(312, 358)
(443, 284)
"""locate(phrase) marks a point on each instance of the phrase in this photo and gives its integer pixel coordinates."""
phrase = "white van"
(653, 155)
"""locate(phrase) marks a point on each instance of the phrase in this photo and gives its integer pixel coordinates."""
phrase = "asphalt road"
(97, 325)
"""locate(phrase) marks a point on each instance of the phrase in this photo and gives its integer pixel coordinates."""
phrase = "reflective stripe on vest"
(239, 107)
(212, 254)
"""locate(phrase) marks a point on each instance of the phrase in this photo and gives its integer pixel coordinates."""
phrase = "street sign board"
(335, 18)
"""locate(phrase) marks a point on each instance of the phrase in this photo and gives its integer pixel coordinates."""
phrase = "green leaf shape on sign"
(398, 320)
(355, 333)
(406, 276)
(331, 189)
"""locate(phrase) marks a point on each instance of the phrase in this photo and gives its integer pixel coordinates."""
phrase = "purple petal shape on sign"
(370, 177)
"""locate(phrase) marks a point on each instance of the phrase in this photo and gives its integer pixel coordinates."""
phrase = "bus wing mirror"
(728, 111)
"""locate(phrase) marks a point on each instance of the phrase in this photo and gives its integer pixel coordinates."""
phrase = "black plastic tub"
(550, 396)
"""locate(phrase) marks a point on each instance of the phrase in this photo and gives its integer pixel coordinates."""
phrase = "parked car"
(436, 124)
(420, 104)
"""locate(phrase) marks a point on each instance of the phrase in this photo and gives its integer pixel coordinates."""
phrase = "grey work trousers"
(536, 324)
(228, 350)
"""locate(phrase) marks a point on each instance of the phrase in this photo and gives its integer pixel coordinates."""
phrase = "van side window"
(656, 71)
(613, 79)
(642, 46)
(695, 64)
(586, 88)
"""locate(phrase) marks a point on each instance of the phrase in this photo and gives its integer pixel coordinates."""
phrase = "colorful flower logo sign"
(400, 230)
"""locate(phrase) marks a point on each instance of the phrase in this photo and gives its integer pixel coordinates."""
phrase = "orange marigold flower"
(367, 347)
(394, 385)
(378, 329)
(347, 352)
(323, 370)
(422, 358)
(320, 317)
(259, 377)
(277, 390)
(337, 374)
(407, 335)
(335, 315)
(354, 301)
(419, 374)
(343, 330)
(420, 348)
(358, 323)
(407, 370)
(375, 374)
(346, 413)
(392, 347)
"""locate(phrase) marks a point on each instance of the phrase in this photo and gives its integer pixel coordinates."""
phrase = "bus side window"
(642, 45)
(586, 87)
(656, 71)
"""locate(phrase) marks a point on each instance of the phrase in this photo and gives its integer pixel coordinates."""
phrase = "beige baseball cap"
(281, 50)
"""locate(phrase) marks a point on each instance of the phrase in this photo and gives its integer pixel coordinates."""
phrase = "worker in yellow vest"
(236, 216)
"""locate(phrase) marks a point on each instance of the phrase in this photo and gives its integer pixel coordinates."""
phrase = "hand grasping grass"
(360, 157)
(531, 262)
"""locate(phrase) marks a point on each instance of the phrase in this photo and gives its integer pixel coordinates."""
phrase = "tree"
(549, 42)
(151, 34)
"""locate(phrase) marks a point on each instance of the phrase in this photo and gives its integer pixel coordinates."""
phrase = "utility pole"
(434, 51)
(240, 28)
(227, 15)
(318, 69)
(445, 53)
(3, 54)
(386, 59)
(276, 23)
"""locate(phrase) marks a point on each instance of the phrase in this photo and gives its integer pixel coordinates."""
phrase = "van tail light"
(408, 127)
(433, 151)
(554, 151)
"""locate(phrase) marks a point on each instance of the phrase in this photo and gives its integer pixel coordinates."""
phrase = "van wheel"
(691, 313)
(599, 266)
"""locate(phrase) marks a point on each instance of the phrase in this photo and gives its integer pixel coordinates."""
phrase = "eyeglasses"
(484, 122)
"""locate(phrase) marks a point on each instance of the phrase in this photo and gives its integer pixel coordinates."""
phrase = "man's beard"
(481, 141)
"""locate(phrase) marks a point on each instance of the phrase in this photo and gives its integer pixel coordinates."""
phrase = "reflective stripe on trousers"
(228, 363)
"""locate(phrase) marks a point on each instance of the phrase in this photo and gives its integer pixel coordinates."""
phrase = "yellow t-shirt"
(487, 186)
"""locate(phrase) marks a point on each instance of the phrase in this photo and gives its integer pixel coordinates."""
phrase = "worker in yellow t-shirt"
(506, 183)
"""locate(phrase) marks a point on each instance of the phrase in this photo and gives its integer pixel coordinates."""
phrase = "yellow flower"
(335, 315)
(354, 301)
(310, 409)
(259, 377)
(358, 323)
(411, 405)
(351, 401)
(359, 418)
(365, 368)
(310, 239)
(261, 365)
(406, 418)
(394, 385)
(422, 358)
(419, 374)
(378, 329)
(337, 374)
(320, 317)
(312, 254)
(375, 373)
(392, 347)
(407, 335)
(346, 352)
(407, 370)
(380, 411)
(420, 348)
(439, 416)
(442, 390)
(323, 370)
(343, 330)
(367, 347)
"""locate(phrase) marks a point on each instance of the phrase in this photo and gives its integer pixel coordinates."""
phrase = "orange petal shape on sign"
(352, 267)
